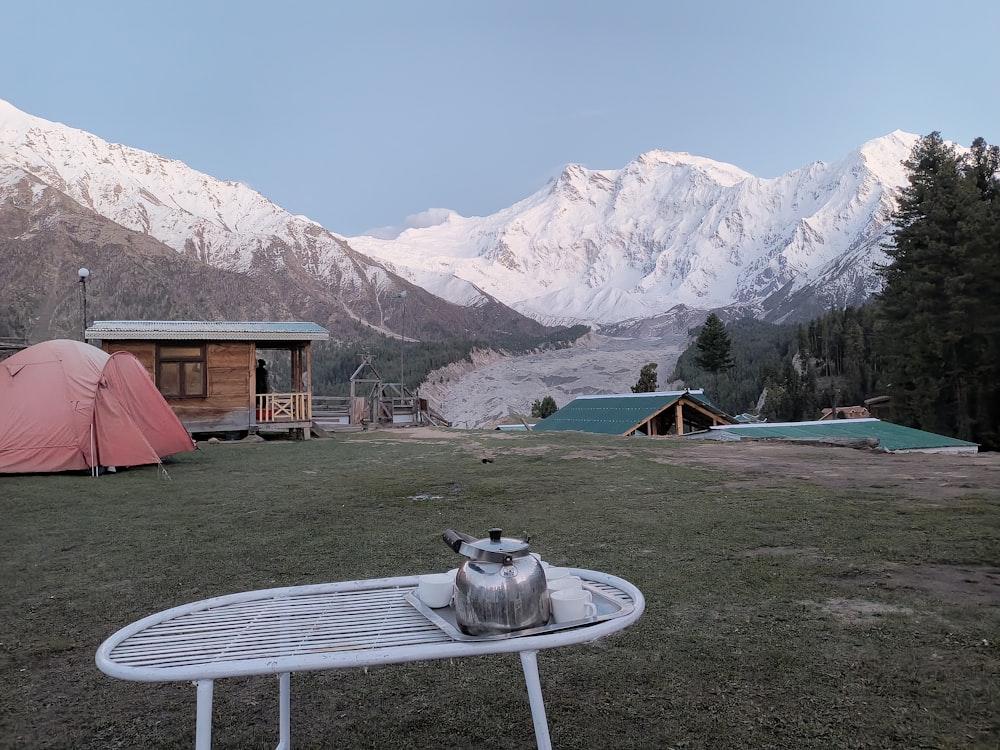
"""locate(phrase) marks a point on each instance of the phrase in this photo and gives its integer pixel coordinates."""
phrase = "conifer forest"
(930, 340)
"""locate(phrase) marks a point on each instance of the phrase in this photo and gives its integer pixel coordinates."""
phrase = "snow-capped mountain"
(225, 224)
(50, 173)
(668, 229)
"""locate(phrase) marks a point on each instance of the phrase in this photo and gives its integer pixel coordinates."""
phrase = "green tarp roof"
(616, 414)
(891, 437)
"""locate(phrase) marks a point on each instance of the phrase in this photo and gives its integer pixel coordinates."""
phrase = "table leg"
(284, 711)
(203, 723)
(529, 663)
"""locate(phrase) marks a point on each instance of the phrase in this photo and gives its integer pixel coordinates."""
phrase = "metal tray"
(608, 608)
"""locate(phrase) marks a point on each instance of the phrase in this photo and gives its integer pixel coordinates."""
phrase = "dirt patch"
(937, 477)
(535, 450)
(782, 552)
(858, 611)
(592, 455)
(966, 586)
(973, 585)
(422, 433)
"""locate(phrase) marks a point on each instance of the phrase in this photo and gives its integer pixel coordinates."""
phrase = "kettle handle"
(454, 539)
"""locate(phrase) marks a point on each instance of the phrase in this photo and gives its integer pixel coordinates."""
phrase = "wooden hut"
(207, 371)
(659, 413)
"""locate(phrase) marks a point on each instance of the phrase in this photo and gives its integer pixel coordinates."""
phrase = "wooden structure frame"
(683, 416)
(658, 413)
(206, 370)
(374, 402)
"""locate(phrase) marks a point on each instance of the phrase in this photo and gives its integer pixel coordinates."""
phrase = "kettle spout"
(454, 539)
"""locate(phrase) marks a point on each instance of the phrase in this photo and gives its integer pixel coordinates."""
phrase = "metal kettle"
(500, 588)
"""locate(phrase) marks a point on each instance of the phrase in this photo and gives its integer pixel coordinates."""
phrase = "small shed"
(207, 370)
(879, 407)
(844, 412)
(658, 413)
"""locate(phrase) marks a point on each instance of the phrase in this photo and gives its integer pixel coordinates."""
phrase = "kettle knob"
(495, 535)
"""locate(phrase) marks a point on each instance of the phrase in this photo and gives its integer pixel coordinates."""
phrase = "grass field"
(781, 612)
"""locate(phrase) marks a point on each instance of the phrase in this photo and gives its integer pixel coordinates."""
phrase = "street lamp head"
(83, 273)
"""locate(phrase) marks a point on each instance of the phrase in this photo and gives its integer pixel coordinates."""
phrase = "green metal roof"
(891, 437)
(616, 414)
(206, 330)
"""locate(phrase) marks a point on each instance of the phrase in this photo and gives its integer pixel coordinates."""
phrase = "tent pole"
(94, 471)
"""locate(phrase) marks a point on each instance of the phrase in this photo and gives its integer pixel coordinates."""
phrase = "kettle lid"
(501, 544)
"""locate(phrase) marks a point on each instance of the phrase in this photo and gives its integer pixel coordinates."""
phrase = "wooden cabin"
(207, 371)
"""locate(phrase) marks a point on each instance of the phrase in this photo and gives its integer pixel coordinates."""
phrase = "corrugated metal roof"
(616, 414)
(891, 437)
(205, 330)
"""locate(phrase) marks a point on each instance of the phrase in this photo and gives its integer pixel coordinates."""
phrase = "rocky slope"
(491, 388)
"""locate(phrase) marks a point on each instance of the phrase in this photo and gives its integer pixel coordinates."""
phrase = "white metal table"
(324, 626)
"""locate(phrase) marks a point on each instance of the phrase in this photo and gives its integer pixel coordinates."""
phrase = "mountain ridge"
(604, 246)
(668, 230)
(149, 201)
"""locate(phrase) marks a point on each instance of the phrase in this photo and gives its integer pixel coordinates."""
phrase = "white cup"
(435, 589)
(570, 582)
(554, 574)
(569, 605)
(538, 557)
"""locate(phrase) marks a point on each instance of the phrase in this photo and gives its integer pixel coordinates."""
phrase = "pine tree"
(647, 379)
(979, 300)
(715, 349)
(714, 346)
(937, 313)
(544, 408)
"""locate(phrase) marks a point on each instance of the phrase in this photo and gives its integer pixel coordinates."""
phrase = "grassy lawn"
(774, 615)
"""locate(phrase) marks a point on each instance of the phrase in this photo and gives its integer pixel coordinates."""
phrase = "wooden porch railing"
(283, 407)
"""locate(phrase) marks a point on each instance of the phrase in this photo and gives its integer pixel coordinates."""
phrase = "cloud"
(429, 218)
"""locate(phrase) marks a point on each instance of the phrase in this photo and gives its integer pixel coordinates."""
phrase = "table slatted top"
(355, 623)
(281, 627)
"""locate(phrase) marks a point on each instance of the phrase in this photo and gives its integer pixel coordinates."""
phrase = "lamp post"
(402, 339)
(83, 273)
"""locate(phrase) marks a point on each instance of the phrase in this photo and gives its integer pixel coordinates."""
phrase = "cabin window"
(180, 370)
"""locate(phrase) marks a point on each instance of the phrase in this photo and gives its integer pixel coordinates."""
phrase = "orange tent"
(66, 405)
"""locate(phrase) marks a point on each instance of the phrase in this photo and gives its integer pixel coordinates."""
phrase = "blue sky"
(359, 114)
